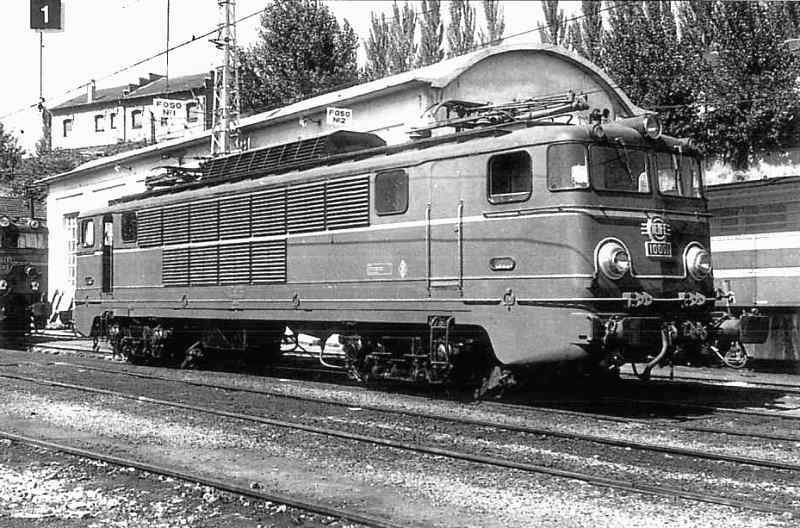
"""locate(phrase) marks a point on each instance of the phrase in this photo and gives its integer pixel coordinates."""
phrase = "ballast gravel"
(419, 489)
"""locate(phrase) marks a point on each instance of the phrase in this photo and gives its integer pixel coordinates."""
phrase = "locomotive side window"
(619, 169)
(129, 227)
(9, 238)
(391, 192)
(510, 177)
(690, 177)
(87, 233)
(667, 174)
(567, 167)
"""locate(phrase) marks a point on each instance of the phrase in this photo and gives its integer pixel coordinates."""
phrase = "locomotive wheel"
(193, 356)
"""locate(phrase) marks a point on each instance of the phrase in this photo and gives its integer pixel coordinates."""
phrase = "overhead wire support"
(226, 83)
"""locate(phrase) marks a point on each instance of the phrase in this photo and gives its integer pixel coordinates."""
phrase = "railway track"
(310, 506)
(494, 405)
(736, 385)
(659, 490)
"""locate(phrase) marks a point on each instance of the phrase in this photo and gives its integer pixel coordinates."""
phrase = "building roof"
(437, 75)
(153, 86)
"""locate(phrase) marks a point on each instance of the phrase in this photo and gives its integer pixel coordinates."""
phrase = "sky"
(101, 37)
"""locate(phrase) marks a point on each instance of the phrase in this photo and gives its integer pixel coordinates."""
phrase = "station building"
(133, 113)
(386, 107)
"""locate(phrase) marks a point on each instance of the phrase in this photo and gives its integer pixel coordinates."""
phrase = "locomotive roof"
(488, 139)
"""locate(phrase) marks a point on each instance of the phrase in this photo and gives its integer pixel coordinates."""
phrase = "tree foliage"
(750, 95)
(461, 30)
(377, 46)
(495, 22)
(585, 34)
(10, 154)
(302, 51)
(431, 33)
(555, 29)
(403, 48)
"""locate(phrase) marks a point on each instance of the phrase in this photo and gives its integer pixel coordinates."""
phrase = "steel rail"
(750, 385)
(702, 407)
(310, 506)
(696, 453)
(663, 491)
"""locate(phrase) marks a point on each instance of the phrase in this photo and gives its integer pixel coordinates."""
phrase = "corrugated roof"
(436, 75)
(156, 86)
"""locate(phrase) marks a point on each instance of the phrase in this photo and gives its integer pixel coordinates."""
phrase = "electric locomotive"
(498, 238)
(23, 271)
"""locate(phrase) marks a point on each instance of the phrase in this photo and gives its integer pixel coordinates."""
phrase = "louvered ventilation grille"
(176, 225)
(149, 228)
(234, 217)
(269, 213)
(268, 263)
(175, 267)
(234, 264)
(264, 160)
(203, 264)
(347, 203)
(306, 208)
(203, 222)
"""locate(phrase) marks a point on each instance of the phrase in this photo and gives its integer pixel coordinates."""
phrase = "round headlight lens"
(698, 262)
(613, 259)
(3, 284)
(652, 126)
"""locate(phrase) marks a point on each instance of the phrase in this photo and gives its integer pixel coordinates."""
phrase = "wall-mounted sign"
(339, 116)
(46, 14)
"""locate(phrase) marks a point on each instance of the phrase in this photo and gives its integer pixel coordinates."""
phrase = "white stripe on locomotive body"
(757, 241)
(577, 211)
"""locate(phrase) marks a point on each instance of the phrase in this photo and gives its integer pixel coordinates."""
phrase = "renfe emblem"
(658, 231)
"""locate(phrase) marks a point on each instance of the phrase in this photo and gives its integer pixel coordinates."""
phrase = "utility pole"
(226, 83)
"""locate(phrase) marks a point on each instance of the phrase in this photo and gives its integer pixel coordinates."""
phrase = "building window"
(510, 177)
(391, 192)
(136, 119)
(129, 227)
(67, 127)
(112, 121)
(99, 123)
(192, 113)
(71, 243)
(164, 121)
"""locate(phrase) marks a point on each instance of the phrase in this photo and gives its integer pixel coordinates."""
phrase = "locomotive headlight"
(3, 285)
(613, 259)
(652, 126)
(698, 261)
(35, 285)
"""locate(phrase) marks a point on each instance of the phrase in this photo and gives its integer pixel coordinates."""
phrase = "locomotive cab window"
(129, 227)
(87, 233)
(510, 177)
(691, 181)
(667, 174)
(567, 167)
(618, 168)
(391, 192)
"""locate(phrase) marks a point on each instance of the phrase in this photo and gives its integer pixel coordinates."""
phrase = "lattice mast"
(226, 83)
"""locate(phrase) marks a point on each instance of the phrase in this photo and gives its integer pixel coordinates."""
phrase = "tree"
(10, 155)
(302, 51)
(461, 30)
(750, 97)
(431, 33)
(555, 30)
(495, 22)
(585, 35)
(402, 49)
(377, 46)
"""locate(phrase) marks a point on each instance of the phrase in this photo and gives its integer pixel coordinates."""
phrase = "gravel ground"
(428, 490)
(45, 488)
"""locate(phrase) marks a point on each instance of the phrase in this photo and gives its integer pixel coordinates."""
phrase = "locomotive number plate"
(658, 249)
